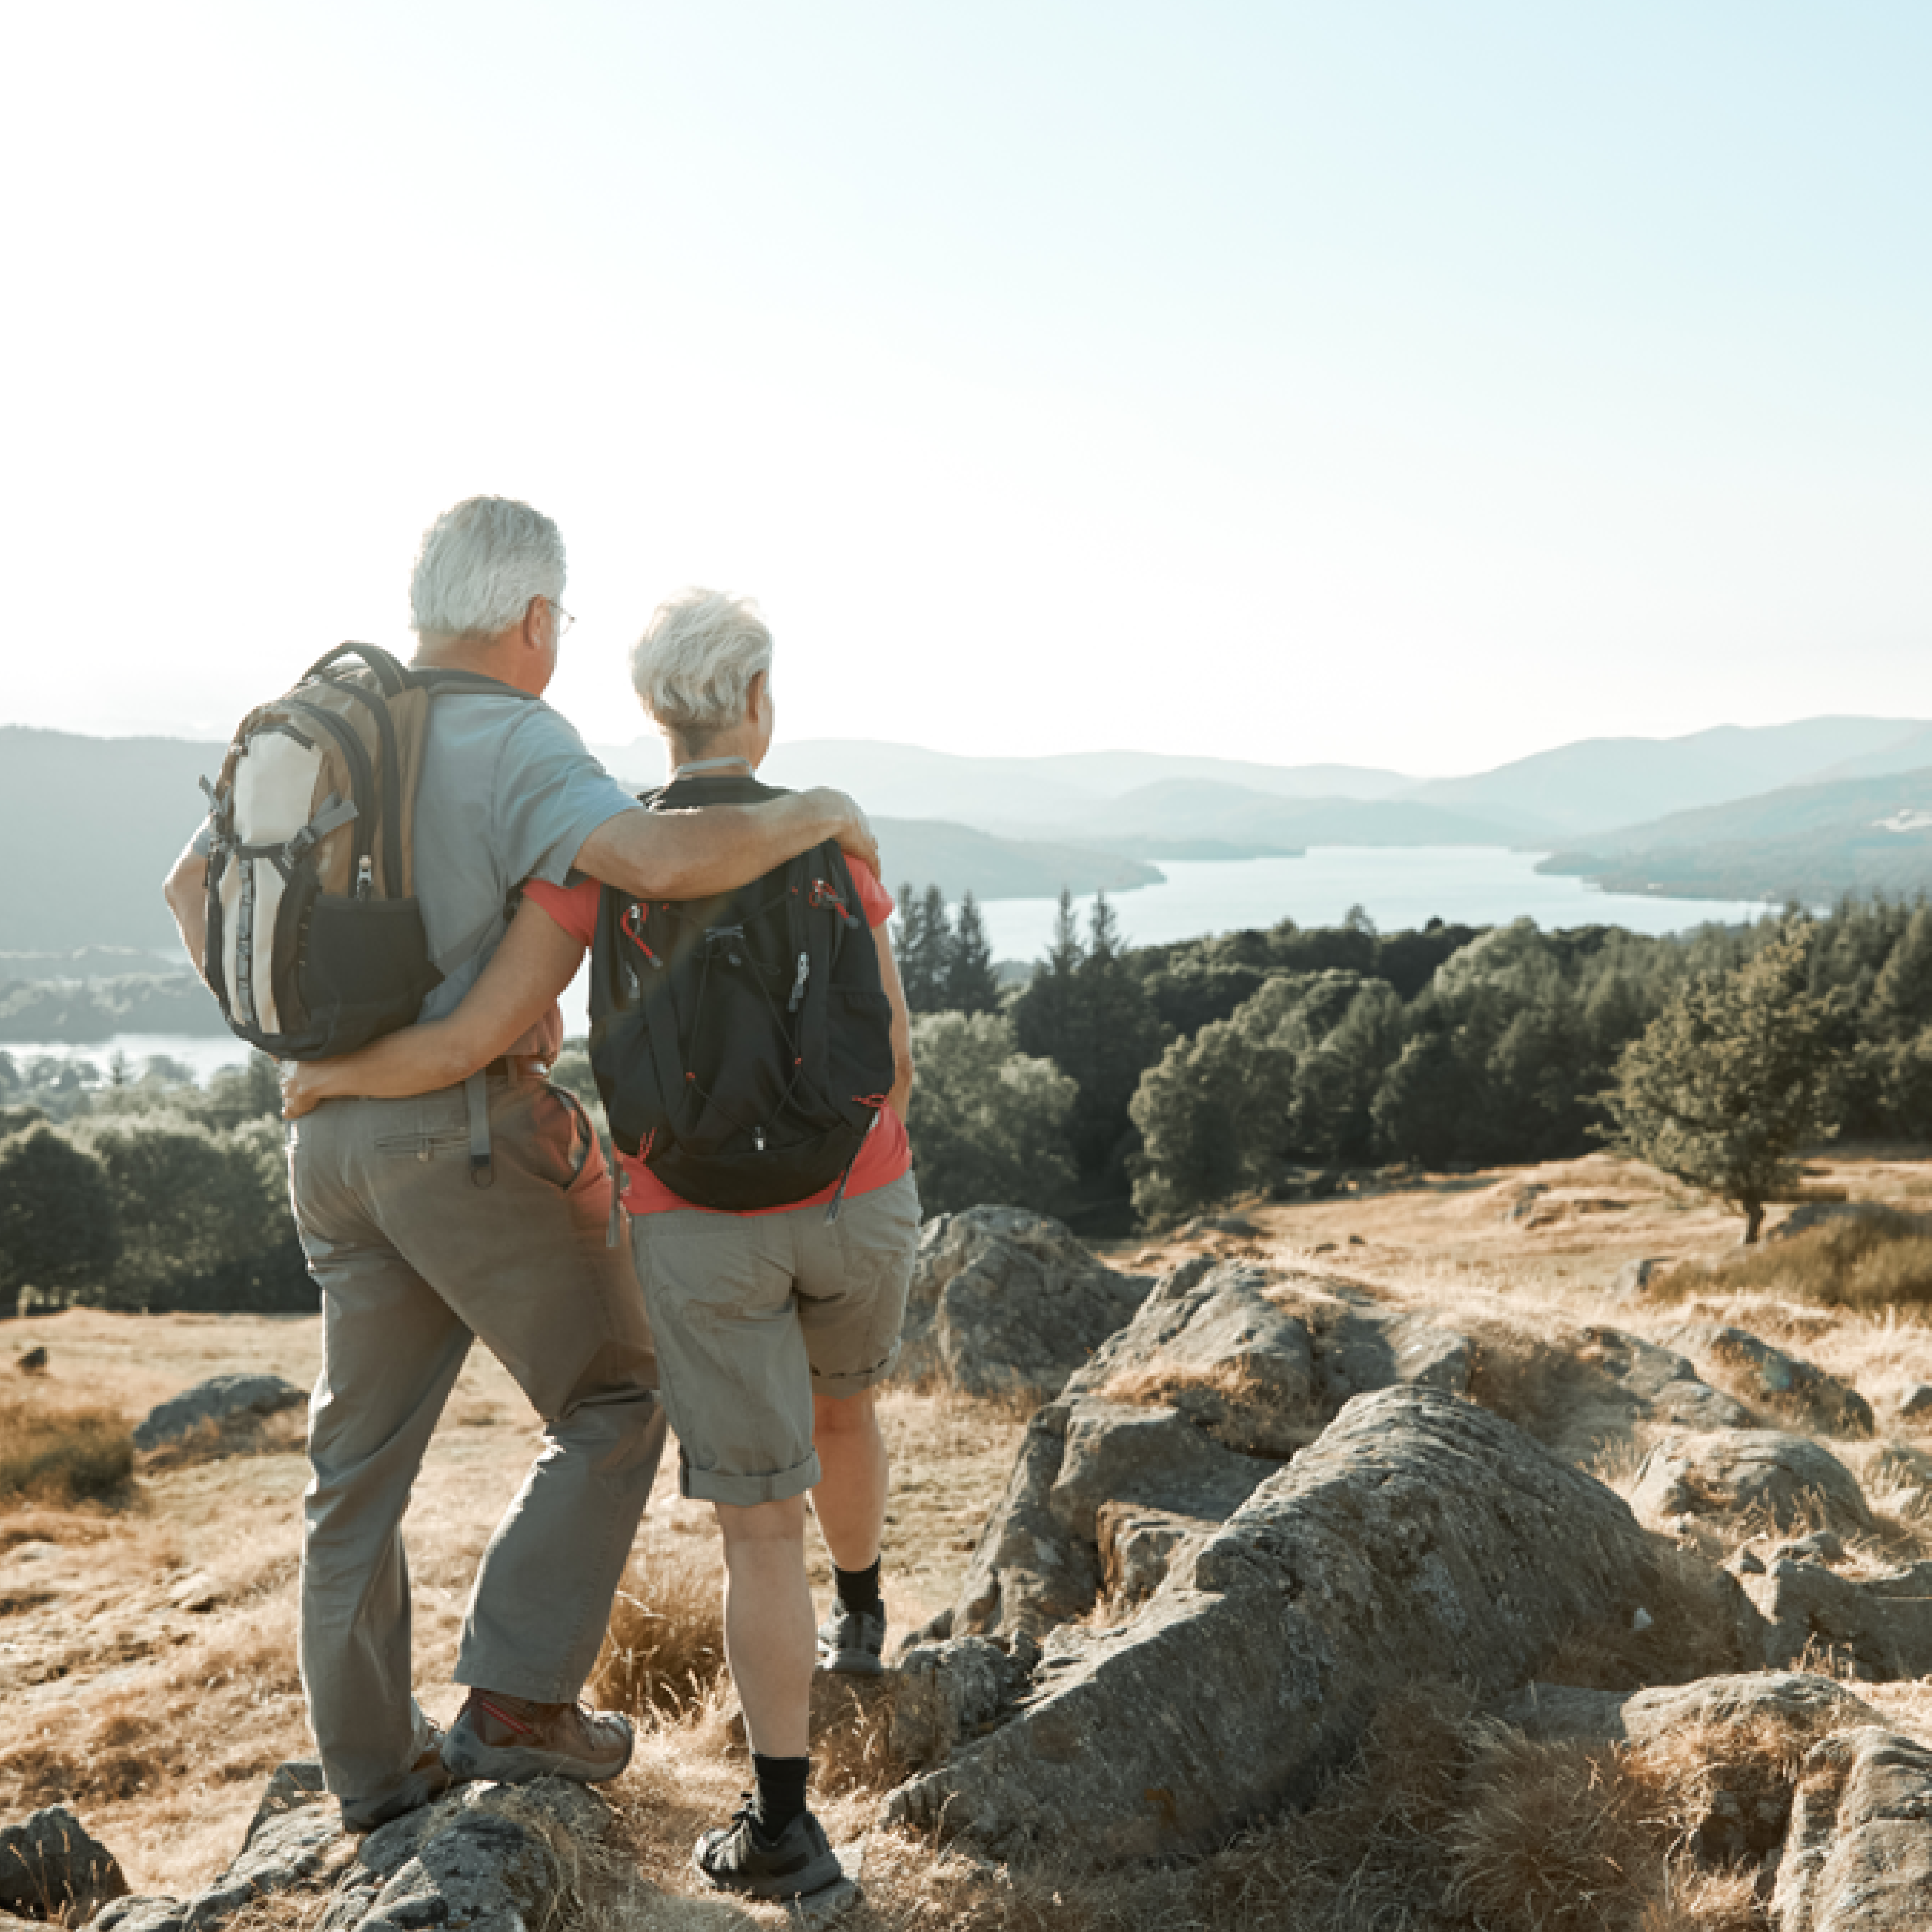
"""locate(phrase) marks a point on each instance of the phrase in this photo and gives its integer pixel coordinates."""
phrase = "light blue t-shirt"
(508, 792)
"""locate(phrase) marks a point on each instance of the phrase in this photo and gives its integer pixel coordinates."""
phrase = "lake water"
(1397, 887)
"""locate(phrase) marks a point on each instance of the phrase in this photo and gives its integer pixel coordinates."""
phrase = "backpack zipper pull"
(365, 876)
(758, 1139)
(798, 985)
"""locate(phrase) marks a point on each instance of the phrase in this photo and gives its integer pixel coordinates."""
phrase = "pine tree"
(1730, 1080)
(925, 943)
(971, 985)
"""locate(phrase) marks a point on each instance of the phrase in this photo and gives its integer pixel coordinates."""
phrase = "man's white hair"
(480, 565)
(694, 666)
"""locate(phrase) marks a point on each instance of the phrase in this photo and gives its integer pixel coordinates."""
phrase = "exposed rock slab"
(220, 1399)
(1858, 1857)
(1778, 1380)
(51, 1866)
(1182, 1413)
(1003, 1300)
(1789, 1481)
(1798, 1700)
(1879, 1627)
(946, 1692)
(1663, 1383)
(1420, 1533)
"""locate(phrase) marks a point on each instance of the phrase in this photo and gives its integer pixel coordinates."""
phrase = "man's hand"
(306, 1083)
(855, 837)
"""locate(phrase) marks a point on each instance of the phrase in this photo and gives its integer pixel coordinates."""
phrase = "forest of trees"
(1118, 1084)
(1259, 1060)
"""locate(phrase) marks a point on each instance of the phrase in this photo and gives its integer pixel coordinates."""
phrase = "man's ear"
(532, 628)
(754, 695)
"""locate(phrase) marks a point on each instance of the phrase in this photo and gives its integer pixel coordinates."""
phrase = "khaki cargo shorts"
(755, 1314)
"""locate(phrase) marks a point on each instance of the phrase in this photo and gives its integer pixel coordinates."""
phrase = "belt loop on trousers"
(476, 1096)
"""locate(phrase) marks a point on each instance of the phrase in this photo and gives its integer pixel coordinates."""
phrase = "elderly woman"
(772, 1326)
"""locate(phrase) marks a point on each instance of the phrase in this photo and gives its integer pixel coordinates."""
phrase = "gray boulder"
(1003, 1300)
(1770, 1376)
(145, 1912)
(1879, 1628)
(1793, 1700)
(1420, 1533)
(1916, 1404)
(1182, 1415)
(302, 1847)
(493, 1858)
(1858, 1856)
(220, 1399)
(52, 1866)
(1634, 1279)
(1741, 1804)
(1663, 1383)
(946, 1692)
(1789, 1481)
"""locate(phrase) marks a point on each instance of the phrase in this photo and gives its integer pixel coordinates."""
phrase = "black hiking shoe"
(738, 1857)
(853, 1643)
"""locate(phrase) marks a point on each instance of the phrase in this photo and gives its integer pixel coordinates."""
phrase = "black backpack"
(315, 943)
(743, 1044)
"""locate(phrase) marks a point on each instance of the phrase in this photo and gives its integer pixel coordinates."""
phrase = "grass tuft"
(1877, 1260)
(53, 1455)
(664, 1652)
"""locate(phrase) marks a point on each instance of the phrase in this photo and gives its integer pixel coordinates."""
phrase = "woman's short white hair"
(479, 566)
(694, 666)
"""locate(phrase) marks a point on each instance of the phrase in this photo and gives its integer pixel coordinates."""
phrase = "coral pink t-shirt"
(884, 1154)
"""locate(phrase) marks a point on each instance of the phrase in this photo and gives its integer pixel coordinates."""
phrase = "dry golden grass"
(664, 1652)
(56, 1452)
(149, 1672)
(1881, 1259)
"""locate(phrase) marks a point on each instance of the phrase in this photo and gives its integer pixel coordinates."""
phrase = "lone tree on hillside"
(1731, 1079)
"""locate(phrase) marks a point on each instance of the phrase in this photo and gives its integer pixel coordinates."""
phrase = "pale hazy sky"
(1416, 384)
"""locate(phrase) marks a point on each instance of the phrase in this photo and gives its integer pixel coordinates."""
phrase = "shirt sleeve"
(573, 907)
(550, 794)
(873, 896)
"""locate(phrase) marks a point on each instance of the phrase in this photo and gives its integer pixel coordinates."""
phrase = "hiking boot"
(423, 1784)
(510, 1740)
(852, 1641)
(738, 1857)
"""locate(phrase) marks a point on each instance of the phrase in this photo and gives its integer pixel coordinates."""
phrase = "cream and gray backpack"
(315, 943)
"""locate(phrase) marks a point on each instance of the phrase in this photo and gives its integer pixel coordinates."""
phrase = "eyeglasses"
(564, 619)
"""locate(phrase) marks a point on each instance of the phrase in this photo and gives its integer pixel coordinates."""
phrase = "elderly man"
(414, 1263)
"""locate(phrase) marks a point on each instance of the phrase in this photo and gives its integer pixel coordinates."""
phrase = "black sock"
(781, 1794)
(858, 1589)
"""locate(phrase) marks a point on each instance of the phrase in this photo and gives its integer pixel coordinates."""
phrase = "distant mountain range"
(1809, 843)
(87, 826)
(1152, 805)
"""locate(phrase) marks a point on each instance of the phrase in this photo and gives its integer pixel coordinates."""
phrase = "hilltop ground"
(147, 1643)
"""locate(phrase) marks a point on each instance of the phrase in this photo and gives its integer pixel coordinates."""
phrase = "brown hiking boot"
(512, 1740)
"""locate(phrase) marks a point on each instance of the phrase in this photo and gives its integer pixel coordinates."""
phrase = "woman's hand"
(306, 1083)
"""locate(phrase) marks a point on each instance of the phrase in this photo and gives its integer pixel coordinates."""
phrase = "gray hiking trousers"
(415, 1261)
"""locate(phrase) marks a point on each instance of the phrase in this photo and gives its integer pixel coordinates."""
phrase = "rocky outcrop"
(220, 1399)
(1859, 1857)
(1420, 1533)
(1003, 1300)
(1878, 1628)
(491, 1858)
(945, 1694)
(52, 1866)
(1792, 1700)
(1174, 1423)
(1662, 1383)
(1769, 1376)
(1786, 1481)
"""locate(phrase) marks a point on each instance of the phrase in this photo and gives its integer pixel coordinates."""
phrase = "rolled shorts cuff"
(836, 1388)
(719, 1485)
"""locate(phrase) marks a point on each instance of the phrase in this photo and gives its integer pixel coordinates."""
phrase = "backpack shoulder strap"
(441, 682)
(393, 678)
